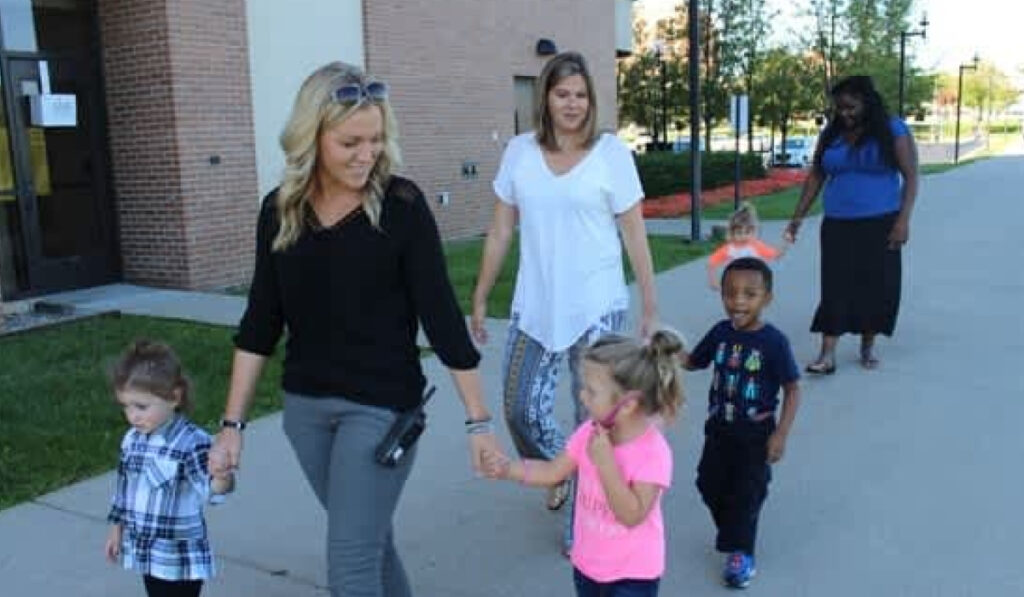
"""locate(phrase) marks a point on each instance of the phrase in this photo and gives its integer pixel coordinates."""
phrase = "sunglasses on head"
(374, 91)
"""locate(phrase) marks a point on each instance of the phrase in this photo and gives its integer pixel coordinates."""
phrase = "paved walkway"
(902, 481)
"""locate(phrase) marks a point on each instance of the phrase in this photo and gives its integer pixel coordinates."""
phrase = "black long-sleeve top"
(351, 297)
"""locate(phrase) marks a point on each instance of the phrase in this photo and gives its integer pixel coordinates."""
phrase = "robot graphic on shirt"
(734, 358)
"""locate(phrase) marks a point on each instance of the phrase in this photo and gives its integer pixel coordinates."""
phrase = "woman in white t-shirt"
(572, 191)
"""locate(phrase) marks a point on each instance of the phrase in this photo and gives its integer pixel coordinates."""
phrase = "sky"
(957, 29)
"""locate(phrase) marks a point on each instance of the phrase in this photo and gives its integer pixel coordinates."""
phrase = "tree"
(988, 89)
(639, 77)
(751, 40)
(721, 57)
(874, 28)
(828, 40)
(789, 86)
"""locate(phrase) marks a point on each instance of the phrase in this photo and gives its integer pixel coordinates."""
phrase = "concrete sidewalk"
(900, 481)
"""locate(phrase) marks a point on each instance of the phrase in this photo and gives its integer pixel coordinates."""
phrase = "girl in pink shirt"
(622, 461)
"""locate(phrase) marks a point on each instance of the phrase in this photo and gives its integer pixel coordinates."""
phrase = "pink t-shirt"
(603, 549)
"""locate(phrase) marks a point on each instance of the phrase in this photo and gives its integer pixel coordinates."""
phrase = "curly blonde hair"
(315, 111)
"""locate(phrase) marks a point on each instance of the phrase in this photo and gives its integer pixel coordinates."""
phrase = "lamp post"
(659, 52)
(903, 54)
(693, 18)
(959, 94)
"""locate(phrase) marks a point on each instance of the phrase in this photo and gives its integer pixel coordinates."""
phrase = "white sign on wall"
(49, 109)
(53, 109)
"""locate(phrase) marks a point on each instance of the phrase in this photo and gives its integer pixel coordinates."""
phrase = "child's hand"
(495, 465)
(222, 482)
(112, 547)
(600, 447)
(776, 447)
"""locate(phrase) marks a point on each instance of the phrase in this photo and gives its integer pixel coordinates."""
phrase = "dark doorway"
(57, 223)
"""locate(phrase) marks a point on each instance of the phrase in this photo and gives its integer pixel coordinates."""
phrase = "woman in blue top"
(867, 162)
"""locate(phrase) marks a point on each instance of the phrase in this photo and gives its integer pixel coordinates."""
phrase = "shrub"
(1004, 127)
(666, 173)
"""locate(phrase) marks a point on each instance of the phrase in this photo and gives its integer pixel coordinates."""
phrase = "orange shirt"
(753, 248)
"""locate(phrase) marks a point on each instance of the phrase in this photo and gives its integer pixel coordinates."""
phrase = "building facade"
(136, 136)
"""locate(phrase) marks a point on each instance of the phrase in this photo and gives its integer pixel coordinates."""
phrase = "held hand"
(789, 235)
(776, 447)
(476, 322)
(112, 547)
(496, 465)
(600, 446)
(481, 444)
(899, 235)
(226, 452)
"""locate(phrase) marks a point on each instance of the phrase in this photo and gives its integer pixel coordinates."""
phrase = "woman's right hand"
(226, 452)
(789, 235)
(476, 321)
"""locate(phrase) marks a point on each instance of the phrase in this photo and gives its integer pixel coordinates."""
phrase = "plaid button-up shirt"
(162, 483)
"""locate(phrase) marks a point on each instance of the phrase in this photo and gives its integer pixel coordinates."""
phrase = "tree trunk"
(784, 129)
(750, 112)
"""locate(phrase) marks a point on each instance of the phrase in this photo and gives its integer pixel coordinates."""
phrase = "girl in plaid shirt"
(156, 517)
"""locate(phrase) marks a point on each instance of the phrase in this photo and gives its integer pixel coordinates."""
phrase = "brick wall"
(451, 66)
(177, 84)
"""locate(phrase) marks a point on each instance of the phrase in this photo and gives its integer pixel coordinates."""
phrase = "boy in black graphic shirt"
(752, 360)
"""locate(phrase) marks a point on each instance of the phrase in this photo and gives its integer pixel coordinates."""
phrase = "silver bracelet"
(479, 427)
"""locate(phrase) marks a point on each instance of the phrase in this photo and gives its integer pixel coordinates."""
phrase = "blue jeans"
(586, 587)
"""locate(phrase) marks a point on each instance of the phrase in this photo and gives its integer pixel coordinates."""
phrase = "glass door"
(12, 254)
(60, 185)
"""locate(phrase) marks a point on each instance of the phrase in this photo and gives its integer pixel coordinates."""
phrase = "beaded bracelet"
(479, 427)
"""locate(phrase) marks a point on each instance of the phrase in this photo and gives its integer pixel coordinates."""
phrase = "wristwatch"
(239, 425)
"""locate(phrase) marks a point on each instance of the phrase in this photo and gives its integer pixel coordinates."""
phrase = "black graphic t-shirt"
(750, 367)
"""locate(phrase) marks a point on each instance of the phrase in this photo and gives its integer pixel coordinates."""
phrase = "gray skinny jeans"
(334, 440)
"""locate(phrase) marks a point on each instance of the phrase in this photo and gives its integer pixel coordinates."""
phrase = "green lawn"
(775, 206)
(58, 419)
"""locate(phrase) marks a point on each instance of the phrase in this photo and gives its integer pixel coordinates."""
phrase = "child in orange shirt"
(741, 241)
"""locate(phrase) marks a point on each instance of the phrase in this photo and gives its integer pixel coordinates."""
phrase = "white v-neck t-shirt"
(570, 256)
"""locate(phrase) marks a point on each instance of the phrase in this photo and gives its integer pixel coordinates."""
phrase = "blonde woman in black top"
(349, 260)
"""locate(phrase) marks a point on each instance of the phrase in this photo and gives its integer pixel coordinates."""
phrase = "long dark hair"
(876, 120)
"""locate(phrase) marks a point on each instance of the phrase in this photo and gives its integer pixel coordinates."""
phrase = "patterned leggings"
(530, 377)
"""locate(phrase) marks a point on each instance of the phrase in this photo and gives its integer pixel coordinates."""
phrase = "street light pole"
(903, 55)
(959, 95)
(693, 16)
(664, 104)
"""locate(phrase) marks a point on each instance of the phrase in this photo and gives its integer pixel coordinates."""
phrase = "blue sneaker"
(739, 570)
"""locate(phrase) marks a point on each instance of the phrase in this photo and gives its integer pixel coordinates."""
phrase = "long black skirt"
(860, 277)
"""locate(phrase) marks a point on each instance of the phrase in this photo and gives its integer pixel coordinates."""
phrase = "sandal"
(557, 495)
(867, 360)
(822, 366)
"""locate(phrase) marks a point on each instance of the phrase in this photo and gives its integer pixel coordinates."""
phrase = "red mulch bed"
(675, 205)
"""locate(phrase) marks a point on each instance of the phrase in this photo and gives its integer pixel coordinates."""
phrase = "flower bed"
(678, 204)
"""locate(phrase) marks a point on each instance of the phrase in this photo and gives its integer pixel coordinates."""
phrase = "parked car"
(798, 151)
